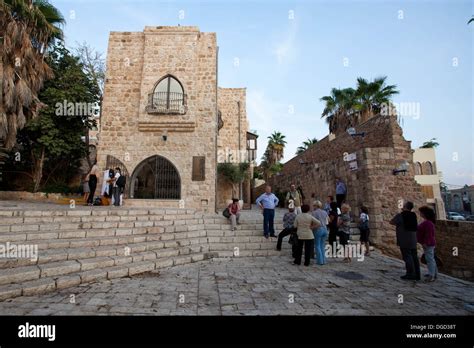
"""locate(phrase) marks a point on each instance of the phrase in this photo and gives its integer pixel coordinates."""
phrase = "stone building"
(375, 162)
(459, 200)
(165, 122)
(235, 143)
(427, 175)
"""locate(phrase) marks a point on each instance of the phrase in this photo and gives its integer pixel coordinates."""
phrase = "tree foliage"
(347, 107)
(274, 152)
(234, 173)
(305, 145)
(51, 144)
(27, 29)
(432, 143)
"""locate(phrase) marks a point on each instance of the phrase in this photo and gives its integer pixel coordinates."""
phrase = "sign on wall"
(348, 157)
(353, 165)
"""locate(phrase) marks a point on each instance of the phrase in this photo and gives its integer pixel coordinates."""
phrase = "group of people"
(310, 228)
(112, 187)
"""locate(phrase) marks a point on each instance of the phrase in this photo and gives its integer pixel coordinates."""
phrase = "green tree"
(275, 168)
(234, 173)
(94, 67)
(51, 144)
(339, 109)
(371, 96)
(306, 144)
(272, 155)
(348, 107)
(27, 29)
(432, 143)
(276, 146)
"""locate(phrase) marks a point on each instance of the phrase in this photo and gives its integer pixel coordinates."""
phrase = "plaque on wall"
(349, 156)
(353, 165)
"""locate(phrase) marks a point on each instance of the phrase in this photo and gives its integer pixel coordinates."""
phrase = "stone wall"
(135, 63)
(378, 152)
(232, 144)
(232, 137)
(460, 235)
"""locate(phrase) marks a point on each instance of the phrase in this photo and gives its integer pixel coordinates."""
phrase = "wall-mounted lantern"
(402, 169)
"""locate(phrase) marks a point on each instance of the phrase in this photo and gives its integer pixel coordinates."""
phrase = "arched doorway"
(155, 178)
(112, 163)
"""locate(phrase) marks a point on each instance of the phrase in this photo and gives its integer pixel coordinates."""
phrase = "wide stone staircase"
(90, 244)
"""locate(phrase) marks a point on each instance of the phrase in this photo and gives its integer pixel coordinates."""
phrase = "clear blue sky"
(287, 64)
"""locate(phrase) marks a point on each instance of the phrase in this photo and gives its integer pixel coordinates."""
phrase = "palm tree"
(371, 96)
(29, 27)
(276, 146)
(306, 144)
(347, 107)
(432, 143)
(339, 109)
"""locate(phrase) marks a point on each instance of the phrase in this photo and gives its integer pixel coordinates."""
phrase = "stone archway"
(155, 178)
(112, 163)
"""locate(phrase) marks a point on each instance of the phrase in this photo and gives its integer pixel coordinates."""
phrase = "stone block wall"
(381, 150)
(135, 63)
(459, 235)
(232, 137)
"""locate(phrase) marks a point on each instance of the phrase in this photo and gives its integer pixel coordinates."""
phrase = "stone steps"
(82, 245)
(87, 262)
(100, 248)
(36, 286)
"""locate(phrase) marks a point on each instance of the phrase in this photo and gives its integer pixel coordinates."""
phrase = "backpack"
(226, 212)
(121, 181)
(97, 201)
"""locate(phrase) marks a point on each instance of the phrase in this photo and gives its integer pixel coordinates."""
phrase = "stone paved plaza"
(259, 286)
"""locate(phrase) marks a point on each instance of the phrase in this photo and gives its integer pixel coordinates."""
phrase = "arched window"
(418, 170)
(112, 163)
(155, 178)
(429, 168)
(168, 97)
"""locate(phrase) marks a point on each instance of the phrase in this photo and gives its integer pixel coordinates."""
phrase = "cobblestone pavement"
(259, 286)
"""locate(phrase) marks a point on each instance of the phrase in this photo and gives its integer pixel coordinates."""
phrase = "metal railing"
(166, 103)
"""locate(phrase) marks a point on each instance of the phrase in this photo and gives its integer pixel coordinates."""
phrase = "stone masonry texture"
(378, 152)
(136, 61)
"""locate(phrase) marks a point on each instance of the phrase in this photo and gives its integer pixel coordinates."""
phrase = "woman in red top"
(426, 237)
(234, 210)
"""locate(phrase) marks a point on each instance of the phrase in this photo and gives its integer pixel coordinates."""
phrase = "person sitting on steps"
(288, 229)
(234, 211)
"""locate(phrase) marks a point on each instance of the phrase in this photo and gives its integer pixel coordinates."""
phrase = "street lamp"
(402, 169)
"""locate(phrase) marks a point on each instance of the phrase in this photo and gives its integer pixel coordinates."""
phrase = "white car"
(455, 216)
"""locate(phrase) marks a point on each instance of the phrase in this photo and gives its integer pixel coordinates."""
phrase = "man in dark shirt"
(406, 225)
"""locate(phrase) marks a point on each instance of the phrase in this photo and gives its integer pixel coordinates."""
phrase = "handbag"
(226, 213)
